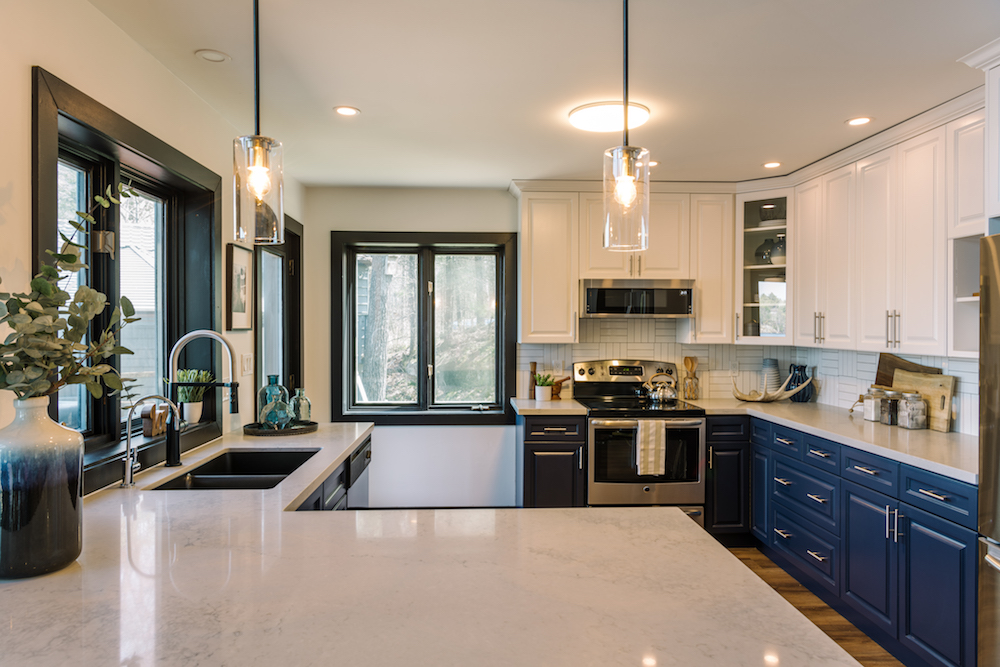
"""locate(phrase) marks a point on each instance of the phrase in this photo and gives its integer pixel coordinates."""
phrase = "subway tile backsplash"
(839, 375)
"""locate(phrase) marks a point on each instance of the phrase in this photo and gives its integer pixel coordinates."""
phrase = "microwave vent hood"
(637, 298)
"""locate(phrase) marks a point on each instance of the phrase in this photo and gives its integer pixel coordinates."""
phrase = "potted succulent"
(543, 387)
(47, 349)
(191, 396)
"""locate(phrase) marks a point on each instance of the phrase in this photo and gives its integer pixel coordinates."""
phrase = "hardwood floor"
(855, 642)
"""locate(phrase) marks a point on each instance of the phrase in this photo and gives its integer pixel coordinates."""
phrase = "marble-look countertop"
(563, 406)
(954, 455)
(230, 578)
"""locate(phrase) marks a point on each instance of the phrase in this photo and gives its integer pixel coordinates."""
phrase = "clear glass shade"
(626, 198)
(259, 188)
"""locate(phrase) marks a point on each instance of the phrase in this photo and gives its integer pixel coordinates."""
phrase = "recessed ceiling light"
(771, 165)
(347, 111)
(607, 116)
(864, 120)
(212, 56)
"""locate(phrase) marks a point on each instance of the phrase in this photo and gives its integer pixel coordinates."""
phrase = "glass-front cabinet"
(764, 268)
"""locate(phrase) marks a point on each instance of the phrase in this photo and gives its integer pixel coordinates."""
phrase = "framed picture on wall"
(239, 268)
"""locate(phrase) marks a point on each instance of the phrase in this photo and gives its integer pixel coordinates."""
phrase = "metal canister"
(912, 411)
(889, 413)
(873, 404)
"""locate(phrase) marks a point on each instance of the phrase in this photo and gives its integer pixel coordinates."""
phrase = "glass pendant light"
(257, 173)
(626, 181)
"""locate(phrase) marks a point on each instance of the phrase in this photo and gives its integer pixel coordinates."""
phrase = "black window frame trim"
(342, 325)
(61, 111)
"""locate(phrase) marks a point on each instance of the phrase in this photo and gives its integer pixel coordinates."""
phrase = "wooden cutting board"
(937, 390)
(888, 363)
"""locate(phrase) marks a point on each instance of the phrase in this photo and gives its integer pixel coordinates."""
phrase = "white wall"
(78, 44)
(419, 465)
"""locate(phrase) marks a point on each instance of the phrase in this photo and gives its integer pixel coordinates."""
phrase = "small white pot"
(192, 412)
(543, 393)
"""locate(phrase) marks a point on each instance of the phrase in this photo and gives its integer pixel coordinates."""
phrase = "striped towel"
(651, 447)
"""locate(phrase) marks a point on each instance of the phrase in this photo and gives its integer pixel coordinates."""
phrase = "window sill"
(429, 417)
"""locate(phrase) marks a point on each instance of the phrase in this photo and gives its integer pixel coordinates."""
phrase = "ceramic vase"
(301, 406)
(41, 504)
(192, 412)
(543, 393)
(799, 376)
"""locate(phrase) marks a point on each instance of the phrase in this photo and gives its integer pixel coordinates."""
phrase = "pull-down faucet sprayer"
(173, 434)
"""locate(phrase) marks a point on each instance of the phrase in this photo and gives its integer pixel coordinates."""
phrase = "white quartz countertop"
(954, 455)
(563, 406)
(229, 578)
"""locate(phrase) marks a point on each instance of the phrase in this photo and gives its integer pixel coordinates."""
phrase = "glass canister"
(889, 414)
(272, 404)
(301, 406)
(873, 404)
(912, 411)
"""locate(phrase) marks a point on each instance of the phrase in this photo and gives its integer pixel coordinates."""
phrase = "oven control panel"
(617, 370)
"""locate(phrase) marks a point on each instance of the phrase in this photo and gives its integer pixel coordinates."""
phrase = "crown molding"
(673, 187)
(985, 57)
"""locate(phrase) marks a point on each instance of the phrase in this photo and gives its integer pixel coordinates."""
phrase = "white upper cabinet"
(548, 282)
(712, 269)
(966, 178)
(901, 248)
(808, 254)
(668, 255)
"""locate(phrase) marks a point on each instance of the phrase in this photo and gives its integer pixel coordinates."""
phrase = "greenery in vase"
(46, 349)
(543, 380)
(192, 394)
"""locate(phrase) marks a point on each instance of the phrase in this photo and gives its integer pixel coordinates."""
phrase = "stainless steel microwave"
(636, 298)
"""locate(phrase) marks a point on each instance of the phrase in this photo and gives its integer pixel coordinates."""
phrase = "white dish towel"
(651, 447)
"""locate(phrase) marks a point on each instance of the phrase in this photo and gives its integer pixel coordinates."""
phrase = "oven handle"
(634, 423)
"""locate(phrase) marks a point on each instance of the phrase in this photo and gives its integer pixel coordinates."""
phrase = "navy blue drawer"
(812, 493)
(760, 432)
(727, 429)
(787, 441)
(816, 551)
(822, 454)
(870, 470)
(942, 496)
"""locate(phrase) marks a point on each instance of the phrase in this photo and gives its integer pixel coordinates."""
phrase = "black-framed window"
(91, 146)
(423, 327)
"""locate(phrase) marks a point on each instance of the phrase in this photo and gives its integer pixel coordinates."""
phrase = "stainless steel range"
(616, 402)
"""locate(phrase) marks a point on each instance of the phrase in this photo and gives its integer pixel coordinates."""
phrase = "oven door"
(613, 477)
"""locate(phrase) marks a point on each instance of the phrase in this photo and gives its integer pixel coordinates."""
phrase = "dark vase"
(763, 252)
(799, 377)
(40, 496)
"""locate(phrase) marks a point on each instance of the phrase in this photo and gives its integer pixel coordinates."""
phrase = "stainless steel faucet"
(132, 456)
(173, 434)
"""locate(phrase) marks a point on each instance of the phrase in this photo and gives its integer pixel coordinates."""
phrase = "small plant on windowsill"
(46, 350)
(192, 396)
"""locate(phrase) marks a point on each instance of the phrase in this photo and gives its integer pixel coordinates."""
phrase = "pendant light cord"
(625, 64)
(256, 71)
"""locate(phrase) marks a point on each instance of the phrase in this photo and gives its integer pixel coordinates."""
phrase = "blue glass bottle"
(273, 410)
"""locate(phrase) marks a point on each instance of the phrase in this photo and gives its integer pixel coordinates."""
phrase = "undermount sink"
(257, 469)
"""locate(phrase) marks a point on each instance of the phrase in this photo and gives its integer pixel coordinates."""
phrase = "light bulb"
(625, 191)
(259, 181)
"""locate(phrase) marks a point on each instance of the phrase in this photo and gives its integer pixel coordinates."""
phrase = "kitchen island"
(235, 578)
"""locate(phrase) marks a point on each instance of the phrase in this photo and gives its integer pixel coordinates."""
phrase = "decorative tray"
(297, 428)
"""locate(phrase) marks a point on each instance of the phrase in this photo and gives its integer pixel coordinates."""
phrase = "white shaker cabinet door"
(712, 238)
(808, 261)
(837, 282)
(668, 255)
(966, 177)
(595, 260)
(875, 212)
(548, 282)
(922, 246)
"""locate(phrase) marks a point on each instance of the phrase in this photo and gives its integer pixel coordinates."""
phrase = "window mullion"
(425, 319)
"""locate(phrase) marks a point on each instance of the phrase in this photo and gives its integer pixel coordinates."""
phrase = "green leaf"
(116, 315)
(112, 381)
(107, 192)
(121, 350)
(77, 226)
(95, 389)
(47, 271)
(102, 201)
(86, 216)
(128, 310)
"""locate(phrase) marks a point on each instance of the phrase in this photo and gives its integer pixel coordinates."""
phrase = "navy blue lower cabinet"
(937, 588)
(871, 570)
(760, 490)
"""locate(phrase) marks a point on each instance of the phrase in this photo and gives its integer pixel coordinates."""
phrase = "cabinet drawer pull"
(784, 442)
(886, 522)
(820, 453)
(783, 533)
(549, 429)
(816, 498)
(572, 453)
(783, 482)
(581, 457)
(935, 496)
(816, 555)
(867, 471)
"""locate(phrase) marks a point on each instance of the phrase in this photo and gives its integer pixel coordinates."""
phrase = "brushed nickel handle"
(822, 327)
(639, 263)
(886, 522)
(896, 327)
(737, 326)
(935, 496)
(581, 457)
(888, 317)
(630, 258)
(550, 429)
(711, 458)
(815, 328)
(816, 555)
(820, 453)
(554, 453)
(783, 482)
(895, 525)
(784, 442)
(813, 496)
(992, 561)
(867, 471)
(783, 533)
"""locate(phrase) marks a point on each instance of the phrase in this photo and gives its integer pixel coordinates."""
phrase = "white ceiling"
(476, 92)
